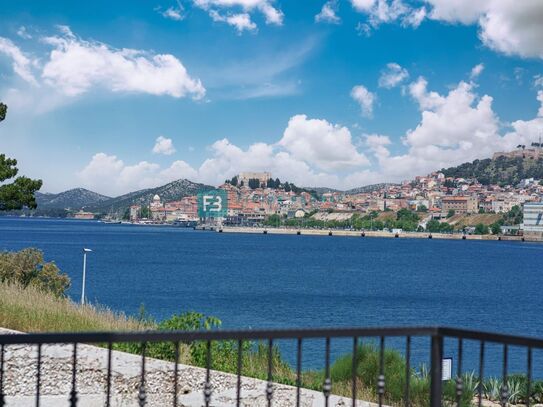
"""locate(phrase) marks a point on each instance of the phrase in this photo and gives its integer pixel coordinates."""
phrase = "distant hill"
(322, 190)
(78, 198)
(501, 170)
(170, 192)
(368, 188)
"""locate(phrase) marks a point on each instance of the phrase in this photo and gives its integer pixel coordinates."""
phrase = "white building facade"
(533, 219)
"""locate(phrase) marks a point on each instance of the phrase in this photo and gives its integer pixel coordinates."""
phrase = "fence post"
(436, 371)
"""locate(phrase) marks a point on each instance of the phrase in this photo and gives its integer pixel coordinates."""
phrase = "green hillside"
(502, 170)
(172, 191)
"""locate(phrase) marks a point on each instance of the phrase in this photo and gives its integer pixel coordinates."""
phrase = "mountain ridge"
(171, 191)
(75, 198)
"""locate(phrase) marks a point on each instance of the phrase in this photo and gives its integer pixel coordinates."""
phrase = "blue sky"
(117, 96)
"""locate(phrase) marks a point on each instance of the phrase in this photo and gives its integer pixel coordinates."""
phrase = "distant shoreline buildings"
(253, 197)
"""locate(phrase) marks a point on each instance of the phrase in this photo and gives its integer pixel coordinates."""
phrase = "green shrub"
(27, 268)
(481, 229)
(537, 391)
(470, 384)
(367, 370)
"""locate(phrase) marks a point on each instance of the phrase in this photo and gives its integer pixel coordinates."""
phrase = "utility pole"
(85, 251)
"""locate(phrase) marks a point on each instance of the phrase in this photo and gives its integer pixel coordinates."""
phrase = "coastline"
(355, 233)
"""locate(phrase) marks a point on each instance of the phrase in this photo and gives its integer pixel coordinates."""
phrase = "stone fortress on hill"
(535, 151)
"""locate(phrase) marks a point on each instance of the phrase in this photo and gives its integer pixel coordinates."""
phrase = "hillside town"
(255, 198)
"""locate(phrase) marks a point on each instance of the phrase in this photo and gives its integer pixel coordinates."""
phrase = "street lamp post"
(85, 251)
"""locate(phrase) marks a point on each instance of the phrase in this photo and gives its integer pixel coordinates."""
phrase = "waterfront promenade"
(358, 233)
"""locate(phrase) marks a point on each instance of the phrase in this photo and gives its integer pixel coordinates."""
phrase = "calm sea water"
(256, 281)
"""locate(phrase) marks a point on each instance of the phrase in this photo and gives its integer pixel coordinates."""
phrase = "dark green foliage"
(273, 220)
(234, 181)
(3, 111)
(405, 220)
(254, 183)
(434, 226)
(449, 184)
(8, 167)
(451, 213)
(495, 228)
(501, 171)
(28, 268)
(223, 353)
(20, 193)
(514, 216)
(481, 229)
(286, 187)
(368, 370)
(145, 212)
(422, 208)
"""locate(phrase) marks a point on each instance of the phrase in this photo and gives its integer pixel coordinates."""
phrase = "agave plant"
(537, 391)
(517, 385)
(515, 391)
(470, 382)
(423, 373)
(492, 389)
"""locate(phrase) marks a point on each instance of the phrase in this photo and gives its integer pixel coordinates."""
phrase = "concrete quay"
(358, 233)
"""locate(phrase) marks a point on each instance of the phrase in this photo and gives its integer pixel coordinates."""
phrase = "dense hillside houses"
(253, 197)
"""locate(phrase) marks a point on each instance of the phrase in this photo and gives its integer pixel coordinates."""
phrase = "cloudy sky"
(123, 95)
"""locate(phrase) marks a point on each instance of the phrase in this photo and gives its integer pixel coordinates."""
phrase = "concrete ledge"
(357, 233)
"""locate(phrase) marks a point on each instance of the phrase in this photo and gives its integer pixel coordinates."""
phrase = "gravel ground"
(20, 381)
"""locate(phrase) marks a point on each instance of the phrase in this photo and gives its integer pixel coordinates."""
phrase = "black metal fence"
(436, 336)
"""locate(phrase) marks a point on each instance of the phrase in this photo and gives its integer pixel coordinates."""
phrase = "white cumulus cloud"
(164, 146)
(507, 26)
(242, 21)
(173, 13)
(364, 98)
(111, 176)
(476, 71)
(76, 65)
(322, 144)
(21, 63)
(392, 76)
(388, 11)
(23, 33)
(328, 13)
(455, 127)
(310, 152)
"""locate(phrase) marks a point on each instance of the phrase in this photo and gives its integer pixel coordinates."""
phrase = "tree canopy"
(3, 111)
(28, 268)
(20, 192)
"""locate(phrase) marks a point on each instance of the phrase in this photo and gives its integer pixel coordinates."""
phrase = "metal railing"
(436, 336)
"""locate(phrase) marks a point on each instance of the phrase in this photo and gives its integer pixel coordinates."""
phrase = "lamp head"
(87, 250)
